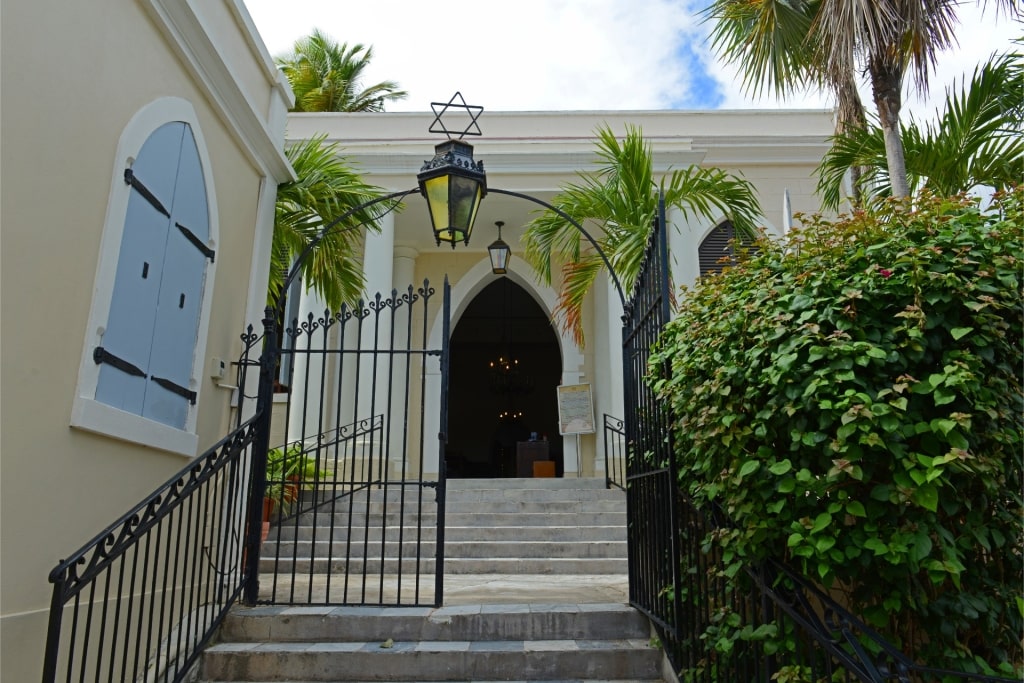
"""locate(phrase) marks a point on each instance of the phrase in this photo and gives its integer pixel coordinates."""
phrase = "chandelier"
(506, 377)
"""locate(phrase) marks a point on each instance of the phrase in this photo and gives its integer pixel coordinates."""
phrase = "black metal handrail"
(614, 452)
(776, 606)
(142, 598)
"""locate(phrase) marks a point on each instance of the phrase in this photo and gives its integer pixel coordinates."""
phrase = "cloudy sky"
(568, 54)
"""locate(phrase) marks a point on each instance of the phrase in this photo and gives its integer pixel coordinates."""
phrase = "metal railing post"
(258, 461)
(442, 474)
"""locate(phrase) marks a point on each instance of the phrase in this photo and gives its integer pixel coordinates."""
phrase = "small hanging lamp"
(499, 252)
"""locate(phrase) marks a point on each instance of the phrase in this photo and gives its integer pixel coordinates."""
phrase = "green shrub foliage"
(851, 399)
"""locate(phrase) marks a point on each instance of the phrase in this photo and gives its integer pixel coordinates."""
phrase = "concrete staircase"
(535, 590)
(534, 526)
(493, 526)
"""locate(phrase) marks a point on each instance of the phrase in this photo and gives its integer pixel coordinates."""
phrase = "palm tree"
(326, 187)
(325, 76)
(796, 43)
(979, 140)
(621, 197)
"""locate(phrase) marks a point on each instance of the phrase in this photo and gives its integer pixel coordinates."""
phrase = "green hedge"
(851, 398)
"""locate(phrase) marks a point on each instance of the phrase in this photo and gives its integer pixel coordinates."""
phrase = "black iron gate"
(651, 482)
(352, 499)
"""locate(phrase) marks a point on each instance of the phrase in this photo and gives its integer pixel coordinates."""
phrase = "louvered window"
(716, 251)
(147, 349)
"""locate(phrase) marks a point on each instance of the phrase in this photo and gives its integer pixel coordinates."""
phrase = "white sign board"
(575, 409)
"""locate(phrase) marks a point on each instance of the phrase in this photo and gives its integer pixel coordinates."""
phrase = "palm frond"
(767, 39)
(326, 76)
(977, 140)
(326, 188)
(618, 202)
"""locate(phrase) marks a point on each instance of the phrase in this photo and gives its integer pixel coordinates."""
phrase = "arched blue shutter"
(150, 338)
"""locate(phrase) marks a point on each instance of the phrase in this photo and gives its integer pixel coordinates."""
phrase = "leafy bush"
(851, 400)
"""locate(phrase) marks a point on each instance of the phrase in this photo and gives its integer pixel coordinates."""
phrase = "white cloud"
(564, 54)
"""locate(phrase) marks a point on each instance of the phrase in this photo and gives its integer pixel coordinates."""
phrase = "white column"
(613, 320)
(683, 242)
(607, 374)
(403, 275)
(304, 419)
(259, 272)
(378, 262)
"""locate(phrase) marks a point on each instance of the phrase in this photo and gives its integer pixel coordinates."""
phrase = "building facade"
(511, 316)
(142, 149)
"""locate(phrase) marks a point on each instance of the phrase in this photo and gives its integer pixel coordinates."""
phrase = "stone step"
(476, 505)
(412, 497)
(477, 519)
(527, 484)
(480, 642)
(466, 489)
(470, 533)
(454, 565)
(453, 549)
(494, 660)
(535, 495)
(522, 485)
(474, 622)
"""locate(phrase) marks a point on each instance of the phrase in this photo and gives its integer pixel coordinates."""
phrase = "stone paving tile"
(505, 608)
(443, 646)
(395, 647)
(553, 608)
(338, 647)
(454, 610)
(308, 610)
(234, 647)
(282, 647)
(496, 646)
(260, 610)
(550, 645)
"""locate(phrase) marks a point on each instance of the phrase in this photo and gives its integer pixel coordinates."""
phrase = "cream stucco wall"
(73, 76)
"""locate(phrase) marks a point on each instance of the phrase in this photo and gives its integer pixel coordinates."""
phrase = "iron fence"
(653, 536)
(142, 598)
(767, 623)
(353, 516)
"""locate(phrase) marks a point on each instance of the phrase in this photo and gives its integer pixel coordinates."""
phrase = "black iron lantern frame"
(453, 185)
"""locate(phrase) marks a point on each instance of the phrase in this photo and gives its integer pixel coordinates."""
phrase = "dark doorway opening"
(505, 370)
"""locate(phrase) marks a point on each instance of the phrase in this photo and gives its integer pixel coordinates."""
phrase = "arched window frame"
(721, 237)
(87, 412)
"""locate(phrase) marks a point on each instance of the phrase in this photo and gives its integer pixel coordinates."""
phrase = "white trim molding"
(206, 57)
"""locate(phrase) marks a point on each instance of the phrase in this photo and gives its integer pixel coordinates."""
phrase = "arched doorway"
(504, 371)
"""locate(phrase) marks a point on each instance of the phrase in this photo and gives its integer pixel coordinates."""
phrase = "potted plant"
(289, 469)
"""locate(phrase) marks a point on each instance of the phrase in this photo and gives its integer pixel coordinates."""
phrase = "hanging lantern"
(499, 252)
(453, 185)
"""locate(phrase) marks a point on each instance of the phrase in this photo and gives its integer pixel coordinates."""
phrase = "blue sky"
(567, 54)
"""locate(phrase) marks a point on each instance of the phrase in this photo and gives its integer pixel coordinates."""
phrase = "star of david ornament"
(457, 110)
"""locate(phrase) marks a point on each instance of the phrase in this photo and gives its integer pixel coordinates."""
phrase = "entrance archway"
(505, 368)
